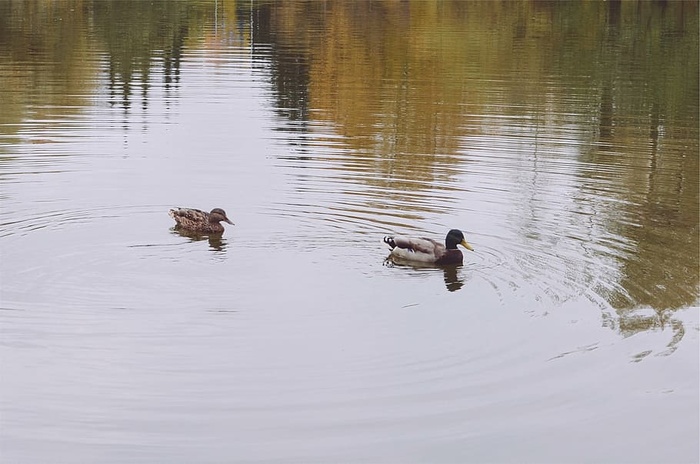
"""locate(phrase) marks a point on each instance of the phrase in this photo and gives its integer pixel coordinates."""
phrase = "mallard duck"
(426, 250)
(197, 221)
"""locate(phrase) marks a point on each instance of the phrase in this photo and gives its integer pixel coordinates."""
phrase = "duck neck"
(451, 244)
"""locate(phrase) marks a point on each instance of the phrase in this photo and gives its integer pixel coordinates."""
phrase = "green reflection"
(410, 84)
(43, 74)
(139, 36)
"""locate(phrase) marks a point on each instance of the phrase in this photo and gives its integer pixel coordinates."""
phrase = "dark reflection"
(614, 15)
(217, 243)
(453, 280)
(138, 36)
(288, 59)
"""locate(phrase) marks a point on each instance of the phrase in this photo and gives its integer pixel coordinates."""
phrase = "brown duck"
(196, 221)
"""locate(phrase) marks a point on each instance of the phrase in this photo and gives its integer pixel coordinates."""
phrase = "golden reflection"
(411, 86)
(43, 72)
(408, 84)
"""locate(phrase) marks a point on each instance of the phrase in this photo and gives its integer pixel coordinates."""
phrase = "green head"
(456, 237)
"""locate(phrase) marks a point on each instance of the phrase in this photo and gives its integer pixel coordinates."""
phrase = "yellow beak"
(466, 245)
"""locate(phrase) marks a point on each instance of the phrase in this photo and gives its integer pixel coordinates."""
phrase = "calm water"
(562, 138)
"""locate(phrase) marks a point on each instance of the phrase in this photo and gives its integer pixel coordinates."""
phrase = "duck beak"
(466, 245)
(228, 221)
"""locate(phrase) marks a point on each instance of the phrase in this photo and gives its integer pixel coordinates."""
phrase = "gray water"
(561, 138)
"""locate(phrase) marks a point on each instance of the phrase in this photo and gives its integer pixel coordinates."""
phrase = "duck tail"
(390, 241)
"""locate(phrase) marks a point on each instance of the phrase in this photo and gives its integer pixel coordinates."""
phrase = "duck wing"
(187, 216)
(414, 248)
(418, 244)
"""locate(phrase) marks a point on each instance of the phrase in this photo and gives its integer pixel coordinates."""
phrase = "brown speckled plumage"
(198, 221)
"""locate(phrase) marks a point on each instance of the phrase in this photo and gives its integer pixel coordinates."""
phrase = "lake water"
(562, 138)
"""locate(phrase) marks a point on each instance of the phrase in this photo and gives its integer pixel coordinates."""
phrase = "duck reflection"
(451, 273)
(217, 243)
(453, 281)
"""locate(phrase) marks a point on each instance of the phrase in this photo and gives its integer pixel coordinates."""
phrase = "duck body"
(428, 251)
(201, 222)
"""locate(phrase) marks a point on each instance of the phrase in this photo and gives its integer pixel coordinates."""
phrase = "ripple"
(90, 258)
(59, 219)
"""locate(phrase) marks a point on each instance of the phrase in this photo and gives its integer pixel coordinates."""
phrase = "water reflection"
(633, 321)
(406, 130)
(452, 274)
(562, 135)
(399, 128)
(453, 282)
(286, 62)
(141, 39)
(217, 243)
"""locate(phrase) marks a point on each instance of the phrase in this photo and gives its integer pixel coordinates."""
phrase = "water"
(561, 138)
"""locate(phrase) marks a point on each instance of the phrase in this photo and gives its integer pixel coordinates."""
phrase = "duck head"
(456, 237)
(218, 215)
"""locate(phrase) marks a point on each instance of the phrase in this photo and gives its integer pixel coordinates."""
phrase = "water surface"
(561, 138)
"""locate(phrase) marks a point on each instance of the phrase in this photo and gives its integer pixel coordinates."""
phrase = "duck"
(427, 250)
(197, 221)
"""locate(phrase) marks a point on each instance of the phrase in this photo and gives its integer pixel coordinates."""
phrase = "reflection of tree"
(631, 322)
(408, 84)
(289, 68)
(50, 50)
(137, 35)
(43, 69)
(656, 183)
